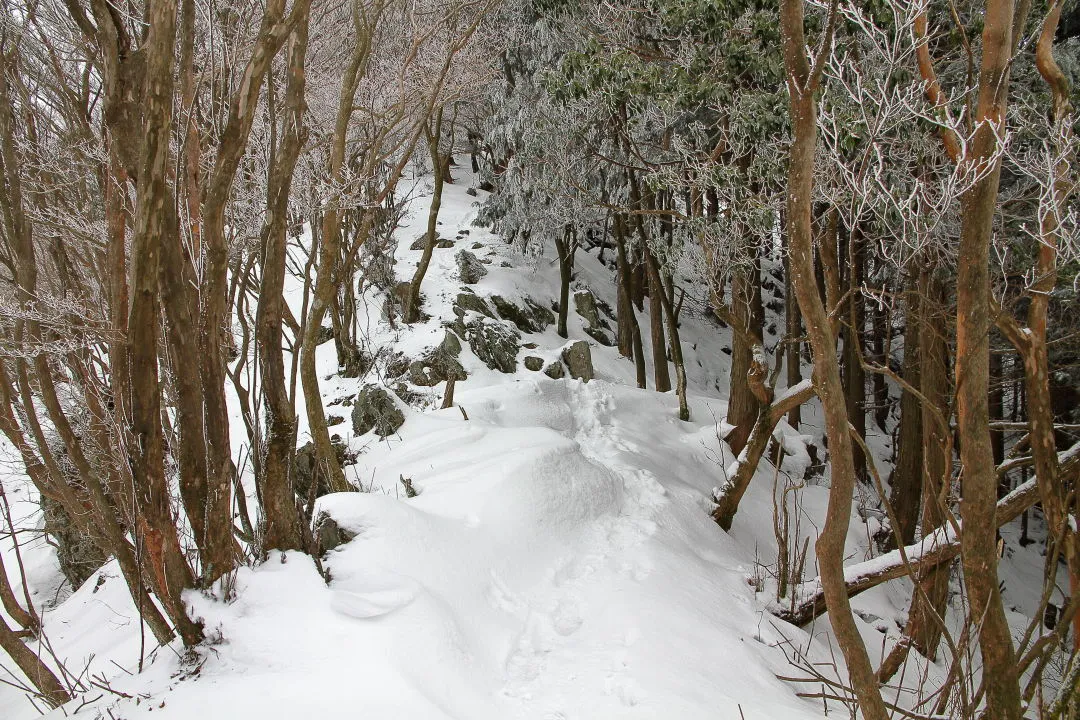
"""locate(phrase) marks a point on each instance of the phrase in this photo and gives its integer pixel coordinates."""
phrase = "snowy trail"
(555, 565)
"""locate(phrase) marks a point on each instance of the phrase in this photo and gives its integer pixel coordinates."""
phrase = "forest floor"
(557, 562)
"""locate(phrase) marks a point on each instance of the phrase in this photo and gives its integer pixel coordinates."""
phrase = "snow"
(558, 562)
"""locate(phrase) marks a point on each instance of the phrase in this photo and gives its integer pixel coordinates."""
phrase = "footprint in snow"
(376, 600)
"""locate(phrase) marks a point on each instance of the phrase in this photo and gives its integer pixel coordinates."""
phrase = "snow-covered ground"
(558, 562)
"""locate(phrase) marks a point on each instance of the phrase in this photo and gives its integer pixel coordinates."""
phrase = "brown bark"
(852, 373)
(440, 173)
(973, 325)
(906, 482)
(218, 547)
(282, 529)
(803, 80)
(565, 248)
(164, 559)
(52, 690)
(743, 406)
(328, 251)
(727, 504)
(793, 326)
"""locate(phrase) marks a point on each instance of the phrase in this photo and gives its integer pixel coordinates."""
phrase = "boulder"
(555, 370)
(578, 359)
(470, 269)
(444, 243)
(329, 534)
(471, 302)
(375, 409)
(534, 363)
(494, 343)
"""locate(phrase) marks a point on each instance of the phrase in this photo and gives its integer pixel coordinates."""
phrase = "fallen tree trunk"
(940, 546)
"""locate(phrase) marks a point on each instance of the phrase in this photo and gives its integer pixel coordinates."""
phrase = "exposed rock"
(305, 469)
(471, 302)
(578, 359)
(531, 319)
(471, 191)
(494, 343)
(375, 409)
(78, 555)
(418, 243)
(329, 534)
(470, 269)
(555, 370)
(585, 304)
(397, 365)
(599, 336)
(477, 246)
(595, 326)
(332, 420)
(408, 396)
(439, 364)
(443, 243)
(534, 363)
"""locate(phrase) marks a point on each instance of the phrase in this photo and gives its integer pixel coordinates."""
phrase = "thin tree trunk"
(282, 520)
(743, 406)
(565, 247)
(440, 172)
(973, 325)
(906, 482)
(802, 80)
(52, 690)
(793, 323)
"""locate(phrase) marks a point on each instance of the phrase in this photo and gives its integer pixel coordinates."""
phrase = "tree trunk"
(743, 406)
(282, 529)
(906, 482)
(39, 674)
(973, 325)
(802, 80)
(853, 375)
(164, 558)
(440, 172)
(793, 328)
(565, 247)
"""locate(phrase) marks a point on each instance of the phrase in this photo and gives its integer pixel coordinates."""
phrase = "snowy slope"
(558, 562)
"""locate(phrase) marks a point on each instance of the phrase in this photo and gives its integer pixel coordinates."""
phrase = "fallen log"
(940, 546)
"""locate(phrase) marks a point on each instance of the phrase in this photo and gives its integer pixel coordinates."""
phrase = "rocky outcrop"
(306, 471)
(440, 364)
(78, 555)
(595, 326)
(530, 318)
(470, 269)
(375, 409)
(494, 343)
(578, 359)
